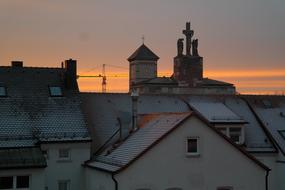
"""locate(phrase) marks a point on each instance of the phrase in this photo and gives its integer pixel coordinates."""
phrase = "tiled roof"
(103, 111)
(21, 158)
(271, 112)
(216, 112)
(139, 141)
(29, 114)
(143, 53)
(233, 109)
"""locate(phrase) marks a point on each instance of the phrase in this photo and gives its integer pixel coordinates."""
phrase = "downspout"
(116, 182)
(266, 179)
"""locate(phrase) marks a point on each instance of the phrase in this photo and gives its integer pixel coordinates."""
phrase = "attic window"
(55, 91)
(3, 92)
(192, 146)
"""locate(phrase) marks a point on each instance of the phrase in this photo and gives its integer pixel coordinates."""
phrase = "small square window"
(63, 185)
(3, 92)
(23, 182)
(6, 182)
(55, 91)
(192, 146)
(64, 154)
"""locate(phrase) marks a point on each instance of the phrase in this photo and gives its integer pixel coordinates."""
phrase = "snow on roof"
(273, 118)
(140, 140)
(103, 110)
(255, 137)
(215, 112)
(29, 114)
(237, 110)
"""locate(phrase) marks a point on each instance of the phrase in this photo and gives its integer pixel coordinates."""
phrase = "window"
(63, 185)
(3, 92)
(23, 182)
(6, 182)
(55, 91)
(64, 154)
(192, 146)
(15, 182)
(235, 134)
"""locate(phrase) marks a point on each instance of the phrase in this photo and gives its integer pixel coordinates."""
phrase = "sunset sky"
(242, 41)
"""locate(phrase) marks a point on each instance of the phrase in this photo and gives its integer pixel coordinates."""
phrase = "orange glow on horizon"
(246, 81)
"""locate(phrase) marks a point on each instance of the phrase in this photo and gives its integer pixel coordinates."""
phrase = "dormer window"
(3, 91)
(55, 91)
(236, 134)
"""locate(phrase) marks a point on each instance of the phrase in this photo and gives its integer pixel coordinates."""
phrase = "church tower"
(143, 65)
(188, 68)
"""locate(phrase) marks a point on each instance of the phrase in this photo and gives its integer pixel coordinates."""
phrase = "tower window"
(55, 91)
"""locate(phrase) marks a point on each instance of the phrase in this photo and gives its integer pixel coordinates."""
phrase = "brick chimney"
(70, 74)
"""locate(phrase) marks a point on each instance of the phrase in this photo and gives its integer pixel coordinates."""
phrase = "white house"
(172, 147)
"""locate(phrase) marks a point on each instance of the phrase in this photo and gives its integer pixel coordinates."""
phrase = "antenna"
(143, 38)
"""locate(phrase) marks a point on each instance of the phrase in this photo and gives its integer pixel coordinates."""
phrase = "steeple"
(143, 53)
(143, 65)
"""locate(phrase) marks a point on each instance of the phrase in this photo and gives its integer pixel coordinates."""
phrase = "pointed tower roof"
(143, 53)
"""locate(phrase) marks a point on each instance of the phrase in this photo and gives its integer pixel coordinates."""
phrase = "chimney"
(135, 97)
(17, 64)
(70, 73)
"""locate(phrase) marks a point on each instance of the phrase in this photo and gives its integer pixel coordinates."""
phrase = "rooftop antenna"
(143, 38)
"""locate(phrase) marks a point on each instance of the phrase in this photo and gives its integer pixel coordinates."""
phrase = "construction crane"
(102, 75)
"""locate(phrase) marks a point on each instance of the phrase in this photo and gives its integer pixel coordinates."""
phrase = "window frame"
(68, 158)
(55, 95)
(193, 154)
(228, 134)
(64, 181)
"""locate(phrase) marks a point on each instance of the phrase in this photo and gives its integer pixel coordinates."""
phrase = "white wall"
(98, 180)
(166, 165)
(66, 170)
(37, 177)
(219, 164)
(269, 159)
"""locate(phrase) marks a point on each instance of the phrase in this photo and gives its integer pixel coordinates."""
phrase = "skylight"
(3, 92)
(55, 91)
